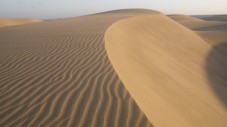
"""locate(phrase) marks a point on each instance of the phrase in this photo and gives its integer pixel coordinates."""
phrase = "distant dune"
(182, 18)
(14, 22)
(215, 18)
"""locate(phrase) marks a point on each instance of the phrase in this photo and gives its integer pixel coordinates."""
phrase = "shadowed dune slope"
(164, 67)
(57, 73)
(14, 22)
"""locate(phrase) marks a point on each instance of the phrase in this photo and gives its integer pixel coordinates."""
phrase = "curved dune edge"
(14, 21)
(162, 65)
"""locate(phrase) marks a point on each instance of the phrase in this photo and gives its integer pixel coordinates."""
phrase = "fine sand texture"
(177, 78)
(13, 22)
(57, 73)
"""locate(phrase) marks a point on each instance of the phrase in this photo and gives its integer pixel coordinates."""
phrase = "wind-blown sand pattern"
(13, 22)
(176, 77)
(57, 73)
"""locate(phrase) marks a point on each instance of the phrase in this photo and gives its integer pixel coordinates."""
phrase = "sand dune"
(14, 22)
(122, 68)
(57, 73)
(175, 76)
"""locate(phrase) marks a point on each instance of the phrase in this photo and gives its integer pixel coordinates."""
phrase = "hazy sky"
(47, 9)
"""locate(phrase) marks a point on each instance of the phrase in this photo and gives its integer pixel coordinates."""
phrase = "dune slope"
(14, 22)
(164, 67)
(57, 73)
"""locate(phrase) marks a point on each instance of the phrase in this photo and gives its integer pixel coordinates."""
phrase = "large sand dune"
(57, 73)
(14, 22)
(175, 76)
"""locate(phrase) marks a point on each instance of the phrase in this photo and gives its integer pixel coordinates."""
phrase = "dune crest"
(13, 22)
(163, 65)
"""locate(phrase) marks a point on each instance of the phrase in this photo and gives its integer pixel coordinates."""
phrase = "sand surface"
(176, 77)
(57, 73)
(13, 22)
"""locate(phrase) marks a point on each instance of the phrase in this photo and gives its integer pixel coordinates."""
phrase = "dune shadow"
(216, 67)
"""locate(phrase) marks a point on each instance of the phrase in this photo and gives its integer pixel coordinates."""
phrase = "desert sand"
(122, 68)
(13, 21)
